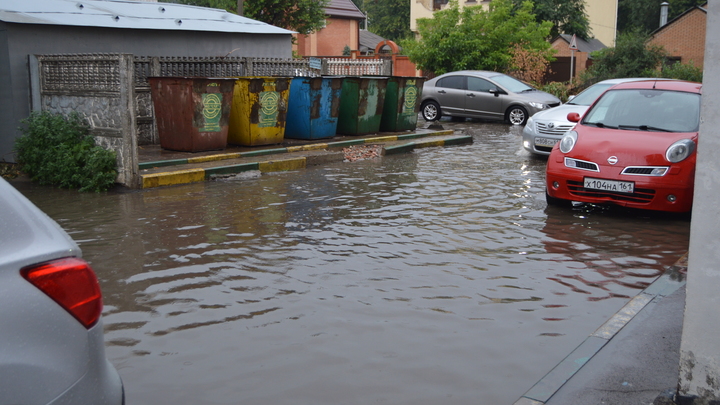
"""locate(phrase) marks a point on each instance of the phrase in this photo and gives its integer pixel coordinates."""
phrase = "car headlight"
(539, 106)
(680, 150)
(568, 141)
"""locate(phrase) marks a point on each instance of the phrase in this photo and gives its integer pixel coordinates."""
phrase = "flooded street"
(434, 277)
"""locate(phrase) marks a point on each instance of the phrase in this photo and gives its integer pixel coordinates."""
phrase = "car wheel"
(431, 111)
(557, 202)
(517, 115)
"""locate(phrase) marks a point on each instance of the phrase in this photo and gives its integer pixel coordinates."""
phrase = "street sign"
(573, 43)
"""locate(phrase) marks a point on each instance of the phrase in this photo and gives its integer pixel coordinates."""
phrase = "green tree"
(475, 38)
(631, 57)
(303, 16)
(567, 16)
(389, 18)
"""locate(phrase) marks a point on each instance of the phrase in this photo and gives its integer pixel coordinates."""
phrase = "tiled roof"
(344, 8)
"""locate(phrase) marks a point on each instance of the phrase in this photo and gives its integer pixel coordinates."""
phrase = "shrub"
(58, 150)
(683, 71)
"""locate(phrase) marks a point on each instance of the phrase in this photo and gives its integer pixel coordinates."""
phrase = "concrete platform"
(159, 167)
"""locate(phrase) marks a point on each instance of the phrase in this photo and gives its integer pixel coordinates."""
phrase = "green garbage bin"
(259, 110)
(361, 105)
(402, 103)
(192, 113)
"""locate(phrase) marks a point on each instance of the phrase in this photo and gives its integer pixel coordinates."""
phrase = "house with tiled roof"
(684, 37)
(342, 29)
(567, 58)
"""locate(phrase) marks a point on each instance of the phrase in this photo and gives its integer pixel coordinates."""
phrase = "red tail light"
(72, 284)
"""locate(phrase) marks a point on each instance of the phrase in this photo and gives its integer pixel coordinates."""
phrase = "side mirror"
(573, 117)
(570, 98)
(495, 92)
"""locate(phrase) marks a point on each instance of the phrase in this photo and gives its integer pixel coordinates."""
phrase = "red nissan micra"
(635, 147)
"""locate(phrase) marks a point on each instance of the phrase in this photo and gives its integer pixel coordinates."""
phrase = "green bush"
(58, 150)
(560, 90)
(683, 71)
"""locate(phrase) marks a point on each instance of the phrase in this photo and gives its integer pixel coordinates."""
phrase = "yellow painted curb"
(282, 165)
(382, 139)
(427, 144)
(213, 158)
(316, 146)
(171, 178)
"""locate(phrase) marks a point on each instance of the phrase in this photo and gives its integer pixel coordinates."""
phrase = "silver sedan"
(483, 94)
(53, 349)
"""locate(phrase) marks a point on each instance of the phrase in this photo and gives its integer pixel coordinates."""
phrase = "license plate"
(546, 141)
(609, 185)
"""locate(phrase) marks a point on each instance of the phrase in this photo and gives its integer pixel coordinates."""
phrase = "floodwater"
(436, 277)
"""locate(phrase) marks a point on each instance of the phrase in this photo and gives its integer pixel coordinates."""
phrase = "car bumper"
(670, 193)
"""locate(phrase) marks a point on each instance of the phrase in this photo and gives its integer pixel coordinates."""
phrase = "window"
(478, 84)
(452, 82)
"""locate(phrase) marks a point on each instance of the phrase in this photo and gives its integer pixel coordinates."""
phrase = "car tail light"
(72, 284)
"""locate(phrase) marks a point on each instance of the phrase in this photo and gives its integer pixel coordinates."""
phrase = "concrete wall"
(699, 350)
(603, 20)
(18, 41)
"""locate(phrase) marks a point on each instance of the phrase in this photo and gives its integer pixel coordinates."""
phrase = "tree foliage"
(475, 38)
(389, 18)
(631, 57)
(303, 16)
(567, 16)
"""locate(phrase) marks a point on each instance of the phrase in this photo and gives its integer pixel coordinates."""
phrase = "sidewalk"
(632, 359)
(160, 167)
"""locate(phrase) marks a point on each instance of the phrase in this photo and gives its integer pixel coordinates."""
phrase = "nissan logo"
(612, 160)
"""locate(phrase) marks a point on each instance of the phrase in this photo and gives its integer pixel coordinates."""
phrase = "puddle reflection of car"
(635, 147)
(544, 129)
(52, 348)
(483, 94)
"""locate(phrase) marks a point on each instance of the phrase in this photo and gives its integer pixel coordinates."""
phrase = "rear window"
(452, 82)
(646, 110)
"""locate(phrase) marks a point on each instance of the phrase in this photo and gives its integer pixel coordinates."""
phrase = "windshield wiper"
(601, 125)
(644, 128)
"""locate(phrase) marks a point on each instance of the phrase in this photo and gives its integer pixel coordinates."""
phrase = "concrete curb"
(551, 383)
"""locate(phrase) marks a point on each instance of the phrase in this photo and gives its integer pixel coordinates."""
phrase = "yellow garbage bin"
(259, 110)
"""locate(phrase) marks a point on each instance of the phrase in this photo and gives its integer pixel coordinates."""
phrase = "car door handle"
(441, 91)
(470, 94)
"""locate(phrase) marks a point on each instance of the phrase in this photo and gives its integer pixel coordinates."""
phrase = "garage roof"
(130, 14)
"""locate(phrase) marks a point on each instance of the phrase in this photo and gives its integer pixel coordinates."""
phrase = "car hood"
(538, 97)
(630, 147)
(560, 113)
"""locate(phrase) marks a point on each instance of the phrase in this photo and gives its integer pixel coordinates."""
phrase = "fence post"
(129, 175)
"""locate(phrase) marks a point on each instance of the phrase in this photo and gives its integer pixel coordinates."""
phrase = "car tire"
(557, 202)
(431, 111)
(517, 115)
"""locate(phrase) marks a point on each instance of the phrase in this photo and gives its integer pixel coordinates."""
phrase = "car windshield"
(511, 84)
(589, 95)
(646, 110)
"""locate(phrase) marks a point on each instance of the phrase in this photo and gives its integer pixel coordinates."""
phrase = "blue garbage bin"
(313, 107)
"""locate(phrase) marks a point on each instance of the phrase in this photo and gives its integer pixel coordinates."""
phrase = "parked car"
(52, 347)
(635, 147)
(483, 94)
(544, 129)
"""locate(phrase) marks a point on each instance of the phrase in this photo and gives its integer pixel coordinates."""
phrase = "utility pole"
(241, 7)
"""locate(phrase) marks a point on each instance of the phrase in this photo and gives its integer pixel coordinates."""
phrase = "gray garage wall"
(19, 41)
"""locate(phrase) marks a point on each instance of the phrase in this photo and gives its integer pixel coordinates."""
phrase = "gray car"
(52, 349)
(483, 94)
(546, 128)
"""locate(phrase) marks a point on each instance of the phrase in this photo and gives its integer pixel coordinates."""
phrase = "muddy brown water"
(436, 277)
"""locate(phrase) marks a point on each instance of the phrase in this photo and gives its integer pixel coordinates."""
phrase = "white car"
(544, 129)
(53, 349)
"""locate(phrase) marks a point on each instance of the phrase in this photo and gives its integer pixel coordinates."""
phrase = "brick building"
(684, 37)
(560, 69)
(342, 28)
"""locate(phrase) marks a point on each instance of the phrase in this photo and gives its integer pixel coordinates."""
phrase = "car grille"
(557, 130)
(581, 164)
(641, 195)
(644, 170)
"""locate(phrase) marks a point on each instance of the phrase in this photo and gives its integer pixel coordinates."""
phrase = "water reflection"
(434, 277)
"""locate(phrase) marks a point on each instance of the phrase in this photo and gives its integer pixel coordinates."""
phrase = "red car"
(635, 147)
